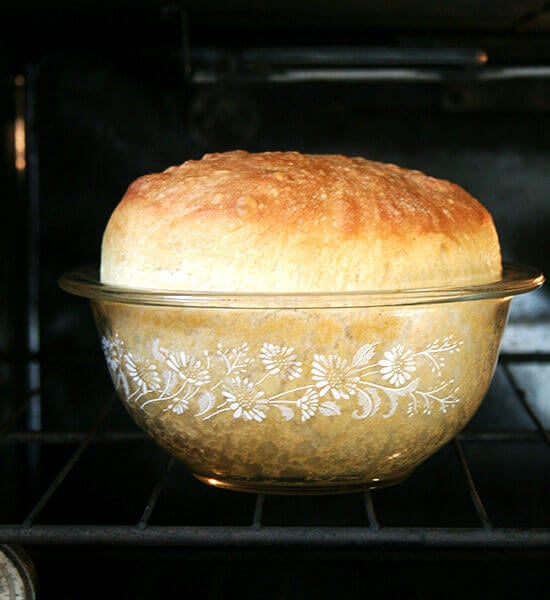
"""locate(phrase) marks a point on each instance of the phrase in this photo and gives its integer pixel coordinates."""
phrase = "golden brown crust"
(289, 222)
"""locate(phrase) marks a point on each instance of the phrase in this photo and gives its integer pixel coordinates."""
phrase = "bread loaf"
(287, 222)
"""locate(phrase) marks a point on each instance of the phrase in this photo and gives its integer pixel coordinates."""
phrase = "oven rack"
(202, 518)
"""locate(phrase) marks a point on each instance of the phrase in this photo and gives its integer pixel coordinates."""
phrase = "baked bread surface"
(289, 222)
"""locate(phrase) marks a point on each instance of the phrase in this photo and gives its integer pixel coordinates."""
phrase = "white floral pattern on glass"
(229, 380)
(308, 405)
(188, 368)
(143, 373)
(244, 400)
(398, 365)
(280, 359)
(332, 374)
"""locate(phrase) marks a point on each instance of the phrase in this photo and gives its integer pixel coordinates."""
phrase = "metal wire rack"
(109, 485)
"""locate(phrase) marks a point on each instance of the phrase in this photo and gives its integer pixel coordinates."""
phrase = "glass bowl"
(310, 393)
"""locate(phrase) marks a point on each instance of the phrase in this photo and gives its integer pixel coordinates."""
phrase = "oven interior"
(92, 99)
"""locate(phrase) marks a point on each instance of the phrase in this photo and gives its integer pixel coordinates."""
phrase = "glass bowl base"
(300, 487)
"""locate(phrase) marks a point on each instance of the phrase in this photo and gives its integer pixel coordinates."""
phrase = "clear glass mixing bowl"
(307, 393)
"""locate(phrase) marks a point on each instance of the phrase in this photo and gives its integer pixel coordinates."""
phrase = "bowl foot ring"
(300, 487)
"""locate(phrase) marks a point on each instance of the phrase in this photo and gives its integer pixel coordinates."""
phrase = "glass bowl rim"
(516, 279)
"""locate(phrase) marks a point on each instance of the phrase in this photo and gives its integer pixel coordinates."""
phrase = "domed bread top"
(290, 222)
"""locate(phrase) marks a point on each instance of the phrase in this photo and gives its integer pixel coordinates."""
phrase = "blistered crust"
(288, 222)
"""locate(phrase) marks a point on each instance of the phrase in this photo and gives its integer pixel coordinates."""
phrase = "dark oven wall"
(464, 99)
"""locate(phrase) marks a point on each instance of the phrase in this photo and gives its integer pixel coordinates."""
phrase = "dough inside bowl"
(284, 222)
